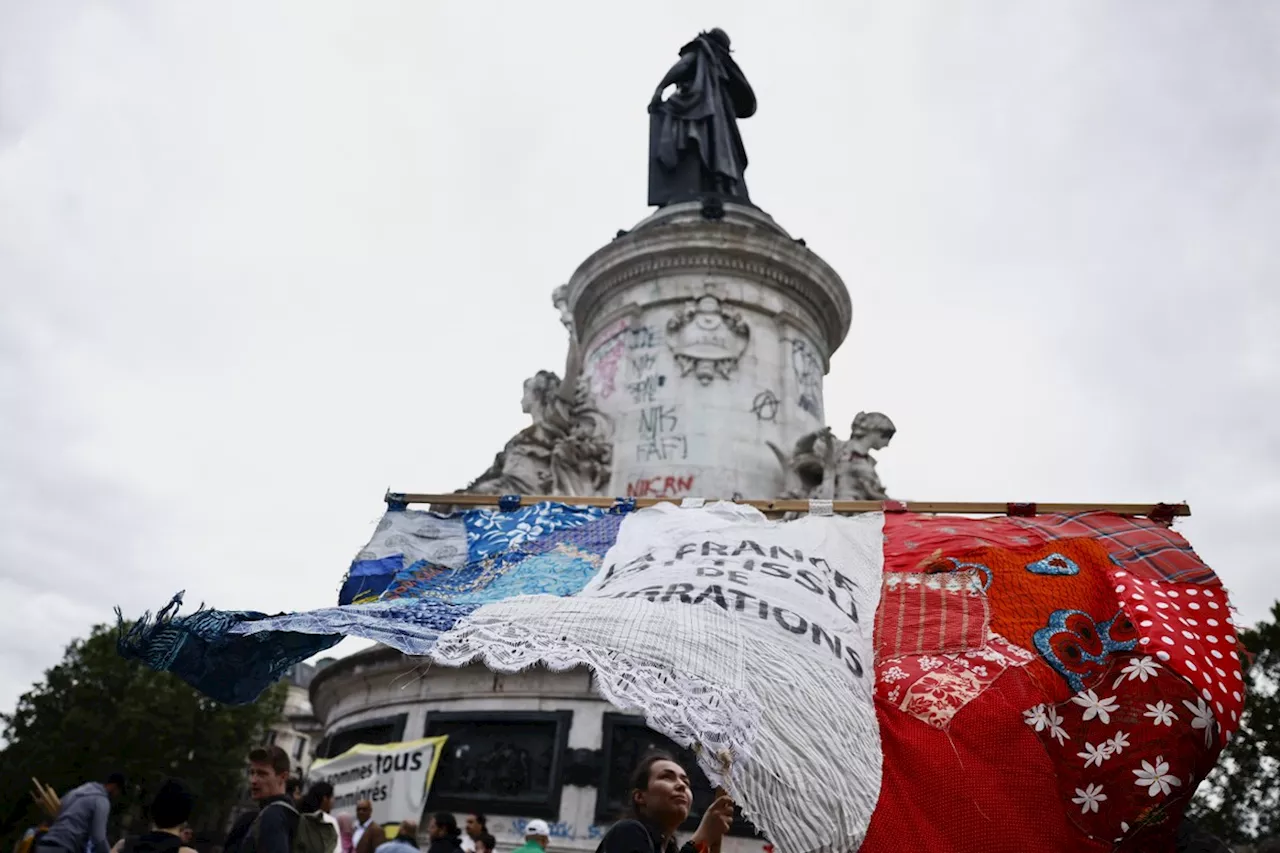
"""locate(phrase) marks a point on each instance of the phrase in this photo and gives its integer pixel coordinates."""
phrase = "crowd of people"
(288, 820)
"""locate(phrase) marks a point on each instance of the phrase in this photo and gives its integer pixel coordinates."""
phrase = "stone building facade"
(298, 732)
(698, 343)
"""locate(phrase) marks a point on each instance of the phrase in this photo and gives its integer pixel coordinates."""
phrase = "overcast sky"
(261, 261)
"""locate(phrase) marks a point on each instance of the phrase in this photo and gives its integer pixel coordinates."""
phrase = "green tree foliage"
(1240, 801)
(95, 712)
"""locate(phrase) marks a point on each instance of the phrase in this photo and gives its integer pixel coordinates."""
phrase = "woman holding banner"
(660, 802)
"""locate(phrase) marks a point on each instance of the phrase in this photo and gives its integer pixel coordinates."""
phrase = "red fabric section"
(985, 785)
(1140, 546)
(924, 614)
(1113, 684)
(934, 688)
(1188, 627)
(1128, 753)
(912, 542)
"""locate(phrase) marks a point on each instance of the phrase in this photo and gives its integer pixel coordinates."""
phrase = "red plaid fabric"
(1139, 545)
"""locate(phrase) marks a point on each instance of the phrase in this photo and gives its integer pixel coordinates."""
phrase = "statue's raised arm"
(695, 149)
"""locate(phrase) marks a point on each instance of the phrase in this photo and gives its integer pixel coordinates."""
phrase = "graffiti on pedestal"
(604, 357)
(807, 366)
(624, 356)
(643, 379)
(661, 486)
(765, 406)
(661, 438)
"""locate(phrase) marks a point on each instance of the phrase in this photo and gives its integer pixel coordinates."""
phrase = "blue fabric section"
(410, 626)
(368, 579)
(232, 656)
(491, 532)
(201, 650)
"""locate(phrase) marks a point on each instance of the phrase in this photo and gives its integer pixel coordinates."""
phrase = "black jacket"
(448, 844)
(271, 830)
(153, 842)
(632, 836)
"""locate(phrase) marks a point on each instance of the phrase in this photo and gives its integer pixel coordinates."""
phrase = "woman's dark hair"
(315, 795)
(447, 822)
(172, 805)
(490, 843)
(640, 778)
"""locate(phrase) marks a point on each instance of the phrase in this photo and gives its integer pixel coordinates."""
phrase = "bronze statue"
(695, 149)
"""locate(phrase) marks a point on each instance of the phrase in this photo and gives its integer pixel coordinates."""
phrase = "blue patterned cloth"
(490, 533)
(404, 598)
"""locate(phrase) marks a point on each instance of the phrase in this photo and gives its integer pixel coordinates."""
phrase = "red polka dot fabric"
(1189, 628)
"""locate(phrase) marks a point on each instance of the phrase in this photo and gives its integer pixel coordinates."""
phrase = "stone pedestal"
(704, 339)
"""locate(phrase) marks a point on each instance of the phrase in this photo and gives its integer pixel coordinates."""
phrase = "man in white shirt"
(476, 826)
(368, 834)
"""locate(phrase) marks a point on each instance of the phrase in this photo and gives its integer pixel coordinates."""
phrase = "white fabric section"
(748, 639)
(419, 535)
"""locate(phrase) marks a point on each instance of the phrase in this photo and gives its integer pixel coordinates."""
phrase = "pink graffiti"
(604, 368)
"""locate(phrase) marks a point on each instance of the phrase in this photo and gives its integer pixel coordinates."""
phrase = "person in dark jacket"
(443, 831)
(660, 802)
(169, 812)
(81, 824)
(273, 828)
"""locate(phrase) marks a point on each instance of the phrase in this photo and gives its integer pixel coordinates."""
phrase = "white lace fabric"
(755, 665)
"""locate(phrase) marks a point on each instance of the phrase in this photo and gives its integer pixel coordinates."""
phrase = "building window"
(501, 762)
(626, 740)
(300, 748)
(379, 731)
(270, 738)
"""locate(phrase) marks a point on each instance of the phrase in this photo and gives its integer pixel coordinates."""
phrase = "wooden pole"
(45, 797)
(1156, 510)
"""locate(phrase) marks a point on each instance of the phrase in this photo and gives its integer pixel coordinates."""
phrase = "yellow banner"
(393, 777)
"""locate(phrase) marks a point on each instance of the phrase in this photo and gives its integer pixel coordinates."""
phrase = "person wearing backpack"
(279, 826)
(169, 812)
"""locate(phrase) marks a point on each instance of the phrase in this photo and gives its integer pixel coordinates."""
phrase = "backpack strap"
(256, 829)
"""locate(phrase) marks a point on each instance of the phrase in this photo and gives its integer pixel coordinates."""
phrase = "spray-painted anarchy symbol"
(765, 405)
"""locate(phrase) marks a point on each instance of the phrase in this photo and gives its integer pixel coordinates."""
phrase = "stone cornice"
(754, 253)
(361, 671)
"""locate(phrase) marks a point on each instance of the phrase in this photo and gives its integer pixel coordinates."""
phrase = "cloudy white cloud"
(260, 262)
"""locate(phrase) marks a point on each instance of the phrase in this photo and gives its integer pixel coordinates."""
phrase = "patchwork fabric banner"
(1056, 683)
(748, 639)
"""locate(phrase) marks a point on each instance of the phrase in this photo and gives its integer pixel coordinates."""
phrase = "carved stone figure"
(695, 149)
(707, 339)
(821, 467)
(573, 358)
(567, 450)
(560, 299)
